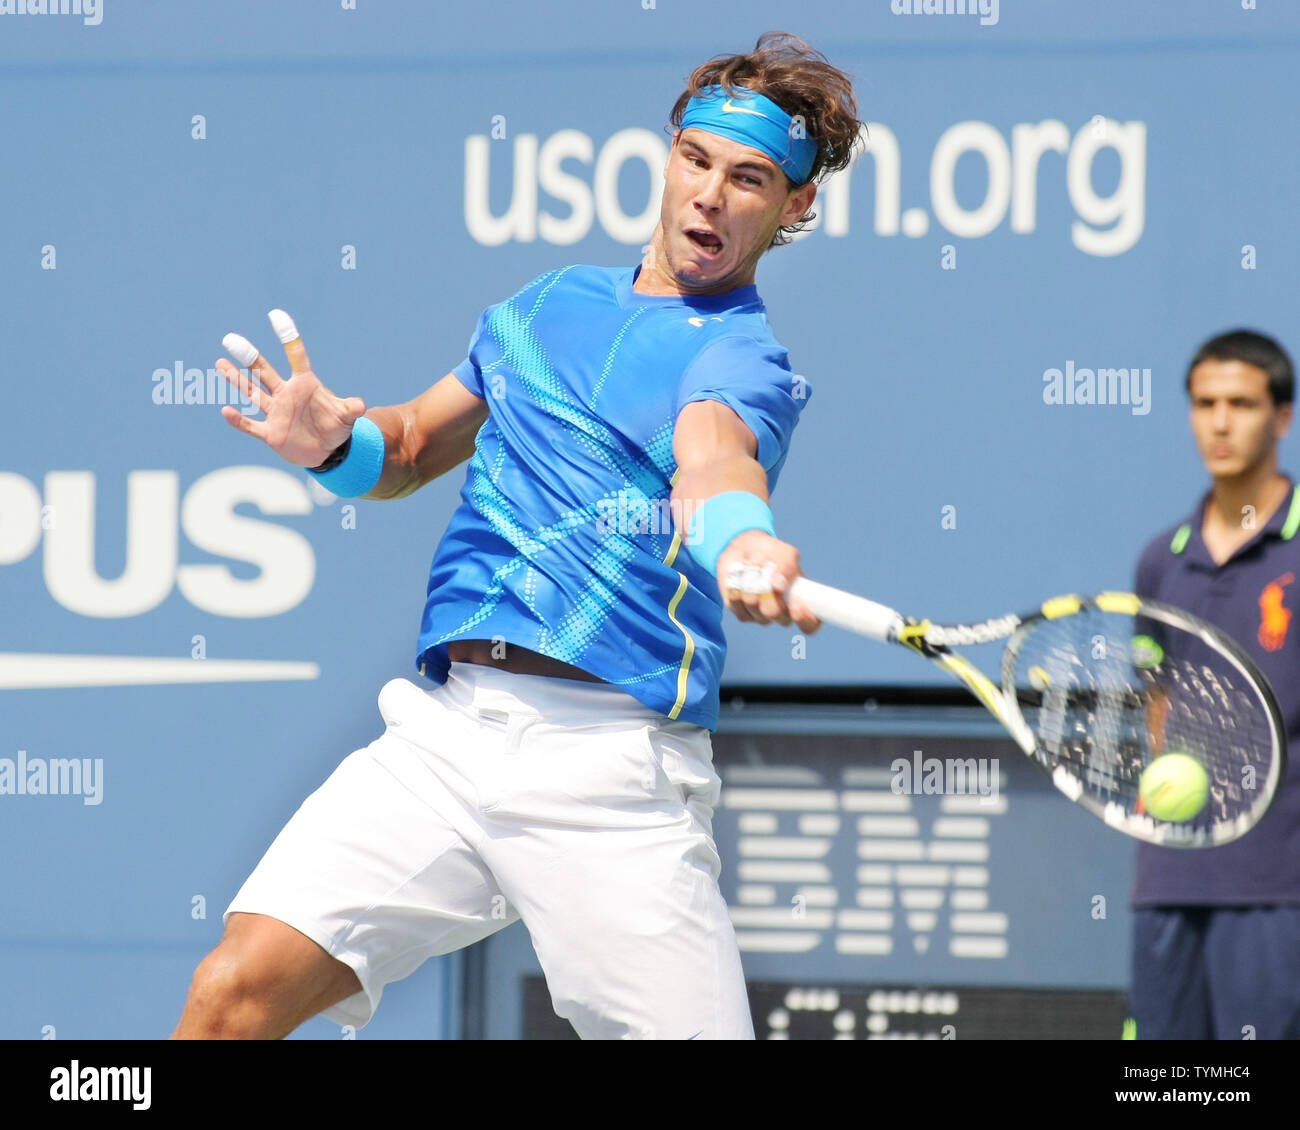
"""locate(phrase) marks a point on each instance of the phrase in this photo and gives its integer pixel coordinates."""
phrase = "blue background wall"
(129, 246)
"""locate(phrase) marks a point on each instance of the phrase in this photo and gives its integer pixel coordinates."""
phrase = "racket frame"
(934, 641)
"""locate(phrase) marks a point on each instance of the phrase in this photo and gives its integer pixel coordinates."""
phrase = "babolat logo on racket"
(963, 635)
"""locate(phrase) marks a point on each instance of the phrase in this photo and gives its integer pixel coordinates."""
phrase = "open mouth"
(706, 241)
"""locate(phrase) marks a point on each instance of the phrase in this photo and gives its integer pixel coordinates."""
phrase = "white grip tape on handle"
(844, 610)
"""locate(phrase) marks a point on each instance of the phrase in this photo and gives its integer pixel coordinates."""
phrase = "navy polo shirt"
(1255, 597)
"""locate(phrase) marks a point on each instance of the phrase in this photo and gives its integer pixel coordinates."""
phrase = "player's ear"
(672, 148)
(1282, 421)
(798, 203)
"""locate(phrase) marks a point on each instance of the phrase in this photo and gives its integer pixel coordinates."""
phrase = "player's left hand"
(772, 560)
(304, 421)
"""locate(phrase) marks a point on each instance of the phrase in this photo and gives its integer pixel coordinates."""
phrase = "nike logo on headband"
(728, 108)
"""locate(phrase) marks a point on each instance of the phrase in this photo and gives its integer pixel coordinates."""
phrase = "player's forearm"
(426, 437)
(720, 505)
(413, 457)
(733, 471)
(401, 466)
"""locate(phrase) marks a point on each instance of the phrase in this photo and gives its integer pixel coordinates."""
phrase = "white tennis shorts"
(499, 796)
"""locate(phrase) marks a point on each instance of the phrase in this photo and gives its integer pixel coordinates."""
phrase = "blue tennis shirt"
(1255, 597)
(564, 541)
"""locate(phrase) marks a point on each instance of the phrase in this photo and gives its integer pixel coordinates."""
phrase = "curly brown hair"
(798, 79)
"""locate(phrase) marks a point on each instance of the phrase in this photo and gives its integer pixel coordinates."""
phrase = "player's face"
(723, 202)
(1236, 424)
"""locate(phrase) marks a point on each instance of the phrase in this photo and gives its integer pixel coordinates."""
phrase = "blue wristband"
(720, 519)
(360, 471)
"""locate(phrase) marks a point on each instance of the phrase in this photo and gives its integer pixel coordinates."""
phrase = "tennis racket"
(1095, 688)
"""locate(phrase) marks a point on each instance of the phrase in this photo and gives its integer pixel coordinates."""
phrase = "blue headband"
(754, 119)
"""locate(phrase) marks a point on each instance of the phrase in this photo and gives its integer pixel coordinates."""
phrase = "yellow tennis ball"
(1174, 787)
(1146, 652)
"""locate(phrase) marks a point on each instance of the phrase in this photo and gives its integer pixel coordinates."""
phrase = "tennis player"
(624, 428)
(1216, 943)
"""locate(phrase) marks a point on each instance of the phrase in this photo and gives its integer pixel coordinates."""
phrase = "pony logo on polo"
(1274, 616)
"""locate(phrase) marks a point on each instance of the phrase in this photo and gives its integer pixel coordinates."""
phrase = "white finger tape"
(750, 578)
(283, 325)
(240, 348)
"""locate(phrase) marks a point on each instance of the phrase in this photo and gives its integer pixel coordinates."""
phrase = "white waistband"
(556, 699)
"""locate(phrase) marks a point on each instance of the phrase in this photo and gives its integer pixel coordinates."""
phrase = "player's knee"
(261, 982)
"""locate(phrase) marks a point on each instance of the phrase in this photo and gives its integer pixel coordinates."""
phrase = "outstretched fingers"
(246, 353)
(250, 392)
(291, 339)
(241, 423)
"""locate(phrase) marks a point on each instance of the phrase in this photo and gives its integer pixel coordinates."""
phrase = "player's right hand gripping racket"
(1094, 688)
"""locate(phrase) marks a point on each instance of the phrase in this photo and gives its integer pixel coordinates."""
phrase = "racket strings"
(1104, 704)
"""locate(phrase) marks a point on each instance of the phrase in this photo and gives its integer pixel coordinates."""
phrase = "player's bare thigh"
(262, 980)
